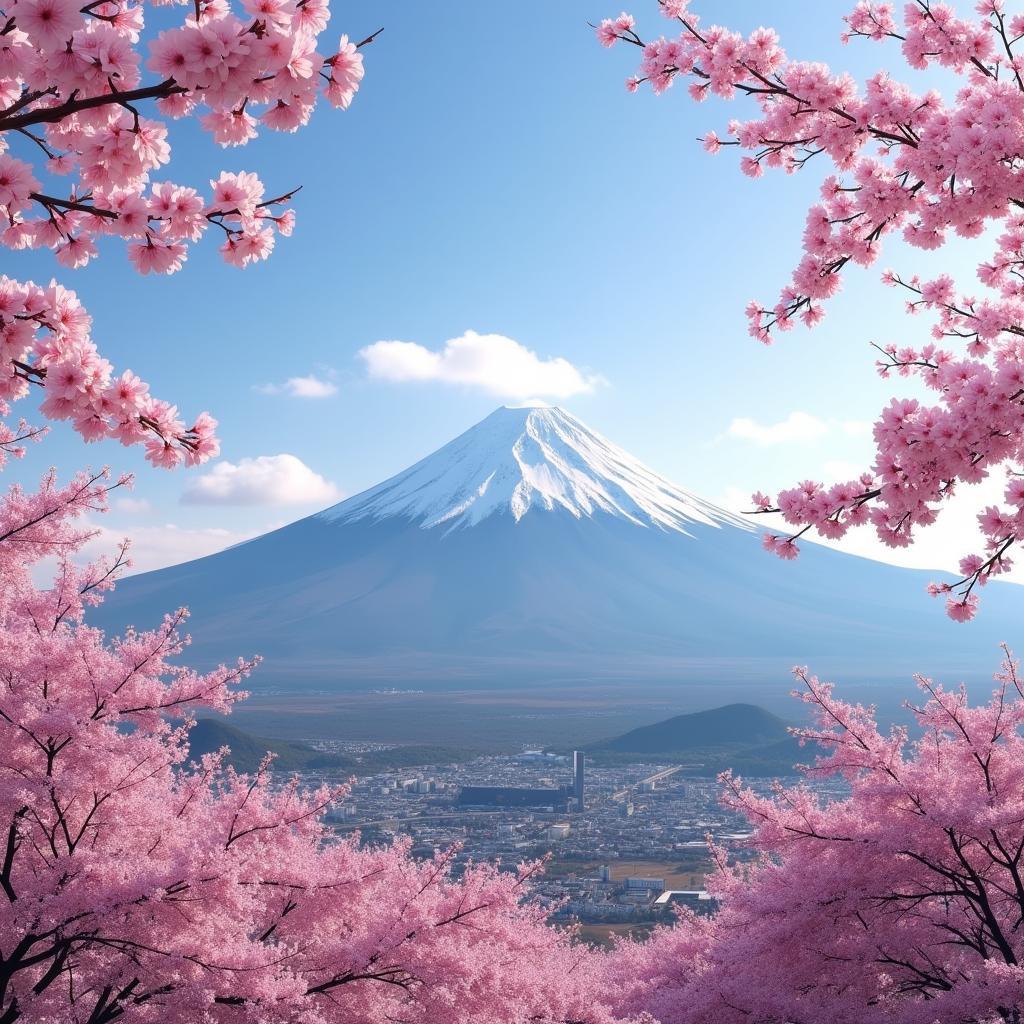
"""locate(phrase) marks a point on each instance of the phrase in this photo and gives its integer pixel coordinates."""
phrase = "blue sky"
(494, 175)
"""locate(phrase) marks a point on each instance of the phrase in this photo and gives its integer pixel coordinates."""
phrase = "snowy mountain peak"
(533, 458)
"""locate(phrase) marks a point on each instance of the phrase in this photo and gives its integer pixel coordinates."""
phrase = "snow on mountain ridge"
(520, 459)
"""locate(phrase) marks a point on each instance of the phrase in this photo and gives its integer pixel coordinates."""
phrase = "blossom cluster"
(45, 341)
(905, 162)
(72, 85)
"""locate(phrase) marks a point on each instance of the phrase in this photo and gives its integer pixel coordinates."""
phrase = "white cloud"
(152, 547)
(857, 428)
(309, 386)
(265, 480)
(834, 471)
(490, 362)
(133, 506)
(796, 427)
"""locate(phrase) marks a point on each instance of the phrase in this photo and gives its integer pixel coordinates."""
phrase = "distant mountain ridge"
(209, 735)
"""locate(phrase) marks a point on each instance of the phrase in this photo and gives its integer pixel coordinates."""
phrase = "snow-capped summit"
(520, 460)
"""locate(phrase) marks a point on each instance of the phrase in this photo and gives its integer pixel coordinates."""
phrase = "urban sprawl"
(625, 843)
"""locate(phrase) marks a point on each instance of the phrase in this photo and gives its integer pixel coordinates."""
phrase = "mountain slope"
(532, 551)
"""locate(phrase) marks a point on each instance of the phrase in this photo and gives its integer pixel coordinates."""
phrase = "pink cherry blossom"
(17, 184)
(155, 256)
(48, 22)
(44, 337)
(73, 80)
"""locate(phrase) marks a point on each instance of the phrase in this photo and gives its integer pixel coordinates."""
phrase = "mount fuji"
(531, 550)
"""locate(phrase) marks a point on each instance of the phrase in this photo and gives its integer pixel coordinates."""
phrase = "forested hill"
(743, 737)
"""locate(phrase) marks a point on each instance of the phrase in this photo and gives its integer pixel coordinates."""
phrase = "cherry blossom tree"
(925, 166)
(137, 886)
(900, 902)
(85, 95)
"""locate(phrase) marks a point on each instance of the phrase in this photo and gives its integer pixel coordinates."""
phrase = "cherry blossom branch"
(12, 121)
(944, 168)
